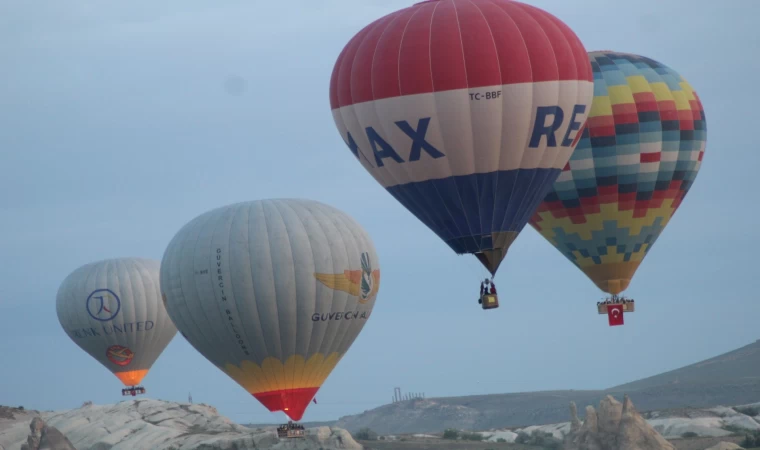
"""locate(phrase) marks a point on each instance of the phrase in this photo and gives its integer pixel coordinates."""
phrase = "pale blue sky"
(116, 129)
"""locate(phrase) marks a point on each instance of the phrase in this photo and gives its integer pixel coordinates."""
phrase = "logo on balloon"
(368, 284)
(119, 355)
(360, 283)
(103, 305)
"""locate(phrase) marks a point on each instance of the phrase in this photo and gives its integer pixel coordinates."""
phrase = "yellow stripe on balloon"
(620, 95)
(601, 107)
(638, 84)
(661, 91)
(273, 375)
(595, 223)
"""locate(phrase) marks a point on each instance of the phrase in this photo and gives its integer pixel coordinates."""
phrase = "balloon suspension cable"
(485, 274)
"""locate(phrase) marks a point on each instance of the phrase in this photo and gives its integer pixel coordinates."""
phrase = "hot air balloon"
(638, 157)
(273, 292)
(465, 111)
(112, 309)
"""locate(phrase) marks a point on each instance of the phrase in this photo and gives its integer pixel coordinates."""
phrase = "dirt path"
(703, 442)
(440, 444)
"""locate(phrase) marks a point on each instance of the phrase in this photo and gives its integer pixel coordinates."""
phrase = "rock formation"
(616, 426)
(156, 425)
(44, 437)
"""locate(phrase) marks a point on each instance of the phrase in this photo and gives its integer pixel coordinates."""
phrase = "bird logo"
(362, 283)
(121, 356)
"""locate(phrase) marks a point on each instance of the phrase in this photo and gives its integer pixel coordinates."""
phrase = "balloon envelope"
(465, 111)
(112, 309)
(273, 292)
(637, 159)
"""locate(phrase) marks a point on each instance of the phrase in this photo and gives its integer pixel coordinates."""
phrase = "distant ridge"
(736, 365)
(729, 379)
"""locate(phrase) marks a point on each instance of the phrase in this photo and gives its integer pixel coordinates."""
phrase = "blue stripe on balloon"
(465, 210)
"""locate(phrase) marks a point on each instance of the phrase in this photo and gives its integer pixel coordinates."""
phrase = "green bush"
(539, 438)
(501, 440)
(365, 434)
(450, 433)
(751, 439)
(748, 410)
(735, 429)
(471, 436)
(689, 434)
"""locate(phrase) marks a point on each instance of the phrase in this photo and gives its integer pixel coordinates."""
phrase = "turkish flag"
(615, 314)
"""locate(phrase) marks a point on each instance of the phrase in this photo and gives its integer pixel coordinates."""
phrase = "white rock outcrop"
(558, 430)
(707, 422)
(673, 427)
(494, 436)
(44, 437)
(725, 446)
(161, 425)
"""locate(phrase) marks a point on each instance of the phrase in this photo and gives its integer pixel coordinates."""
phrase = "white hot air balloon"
(272, 292)
(112, 309)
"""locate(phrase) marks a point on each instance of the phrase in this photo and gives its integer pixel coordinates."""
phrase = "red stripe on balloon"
(444, 45)
(292, 402)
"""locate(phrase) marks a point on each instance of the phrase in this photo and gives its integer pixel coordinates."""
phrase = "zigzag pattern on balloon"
(273, 375)
(605, 241)
(285, 387)
(637, 158)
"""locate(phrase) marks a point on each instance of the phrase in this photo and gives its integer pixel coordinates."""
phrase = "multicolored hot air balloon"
(112, 309)
(465, 111)
(272, 292)
(637, 159)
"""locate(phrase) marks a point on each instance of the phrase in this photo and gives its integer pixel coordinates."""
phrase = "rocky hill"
(149, 424)
(714, 422)
(741, 366)
(611, 425)
(729, 379)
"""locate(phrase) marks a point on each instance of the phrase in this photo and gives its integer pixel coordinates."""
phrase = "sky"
(120, 122)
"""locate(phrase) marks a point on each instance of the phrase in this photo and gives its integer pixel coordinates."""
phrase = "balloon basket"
(132, 391)
(290, 430)
(628, 306)
(489, 301)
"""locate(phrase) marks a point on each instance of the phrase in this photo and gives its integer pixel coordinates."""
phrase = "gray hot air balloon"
(273, 292)
(112, 309)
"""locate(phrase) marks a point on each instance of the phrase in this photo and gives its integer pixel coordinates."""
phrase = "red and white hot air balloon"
(465, 111)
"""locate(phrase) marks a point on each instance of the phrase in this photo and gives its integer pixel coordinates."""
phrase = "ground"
(700, 443)
(441, 444)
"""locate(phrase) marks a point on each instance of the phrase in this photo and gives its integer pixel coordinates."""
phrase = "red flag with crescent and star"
(615, 314)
